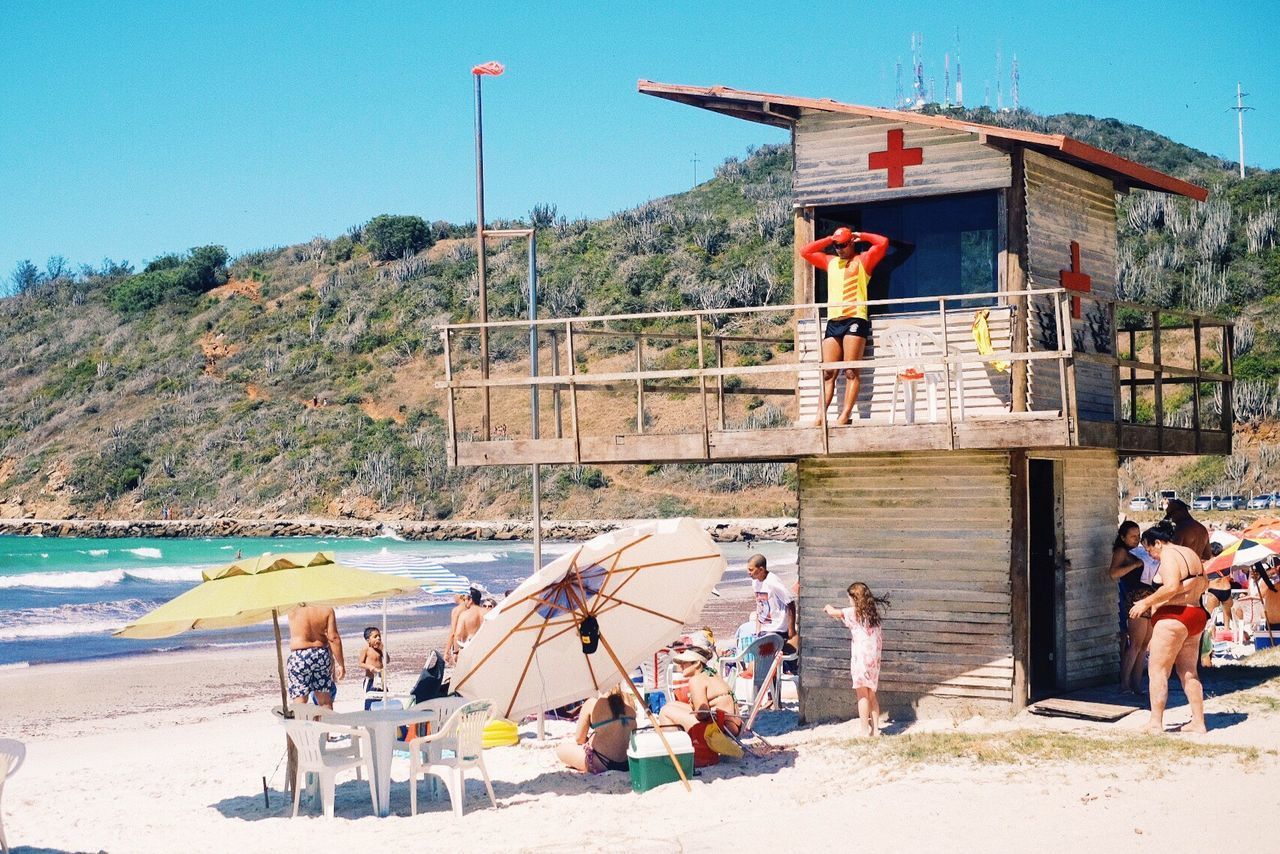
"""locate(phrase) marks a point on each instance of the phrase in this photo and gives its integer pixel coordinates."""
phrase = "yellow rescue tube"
(501, 733)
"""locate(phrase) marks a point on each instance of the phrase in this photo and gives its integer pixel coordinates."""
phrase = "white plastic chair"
(463, 737)
(12, 754)
(909, 342)
(316, 756)
(760, 668)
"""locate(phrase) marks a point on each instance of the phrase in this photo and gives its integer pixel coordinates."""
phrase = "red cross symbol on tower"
(1075, 280)
(895, 158)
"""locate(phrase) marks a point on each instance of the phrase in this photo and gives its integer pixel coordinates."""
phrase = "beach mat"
(1090, 705)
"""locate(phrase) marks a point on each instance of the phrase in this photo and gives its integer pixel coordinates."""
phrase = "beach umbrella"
(257, 589)
(433, 577)
(587, 619)
(1243, 552)
(429, 573)
(1265, 526)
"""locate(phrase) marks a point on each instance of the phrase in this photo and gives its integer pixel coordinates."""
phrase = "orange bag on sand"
(703, 755)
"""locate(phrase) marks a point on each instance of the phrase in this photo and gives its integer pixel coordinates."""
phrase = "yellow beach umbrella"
(254, 590)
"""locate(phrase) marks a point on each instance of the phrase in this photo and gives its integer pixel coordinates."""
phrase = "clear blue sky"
(132, 129)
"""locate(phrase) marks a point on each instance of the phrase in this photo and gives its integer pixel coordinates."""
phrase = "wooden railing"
(707, 377)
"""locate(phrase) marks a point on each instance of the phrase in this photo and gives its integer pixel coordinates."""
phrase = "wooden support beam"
(720, 382)
(1159, 375)
(555, 389)
(573, 392)
(702, 392)
(1019, 587)
(946, 367)
(639, 343)
(1015, 272)
(1195, 390)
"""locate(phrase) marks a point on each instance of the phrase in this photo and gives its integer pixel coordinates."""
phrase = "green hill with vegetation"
(298, 380)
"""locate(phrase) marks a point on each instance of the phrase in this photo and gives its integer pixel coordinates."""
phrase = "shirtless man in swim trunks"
(469, 620)
(1177, 620)
(315, 655)
(451, 645)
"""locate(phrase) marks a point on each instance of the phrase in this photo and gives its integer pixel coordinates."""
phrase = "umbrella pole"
(290, 749)
(641, 704)
(284, 698)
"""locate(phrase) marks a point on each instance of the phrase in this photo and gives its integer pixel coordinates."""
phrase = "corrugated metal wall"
(932, 530)
(1065, 203)
(832, 165)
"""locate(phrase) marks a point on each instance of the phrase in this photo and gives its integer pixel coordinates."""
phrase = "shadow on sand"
(351, 798)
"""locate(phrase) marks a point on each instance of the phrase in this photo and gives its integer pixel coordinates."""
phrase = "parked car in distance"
(1262, 502)
(1163, 497)
(1140, 502)
(1229, 502)
(1203, 502)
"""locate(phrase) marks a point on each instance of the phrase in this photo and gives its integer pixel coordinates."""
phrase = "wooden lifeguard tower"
(989, 526)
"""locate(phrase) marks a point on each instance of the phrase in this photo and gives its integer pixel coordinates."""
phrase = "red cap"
(841, 235)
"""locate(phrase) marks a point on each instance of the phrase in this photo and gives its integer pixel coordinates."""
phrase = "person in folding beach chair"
(711, 711)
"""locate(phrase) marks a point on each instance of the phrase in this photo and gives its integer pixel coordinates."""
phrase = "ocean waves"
(94, 579)
(63, 621)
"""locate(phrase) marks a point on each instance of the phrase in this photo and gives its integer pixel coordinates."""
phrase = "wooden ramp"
(1091, 704)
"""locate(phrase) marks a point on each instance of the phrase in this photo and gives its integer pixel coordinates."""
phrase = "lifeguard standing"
(848, 322)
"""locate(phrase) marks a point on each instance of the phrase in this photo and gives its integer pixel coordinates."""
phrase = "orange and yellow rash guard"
(846, 289)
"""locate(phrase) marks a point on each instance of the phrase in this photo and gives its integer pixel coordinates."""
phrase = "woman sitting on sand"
(711, 702)
(604, 732)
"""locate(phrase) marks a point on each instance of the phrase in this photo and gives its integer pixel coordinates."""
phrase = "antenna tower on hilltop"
(959, 84)
(1014, 84)
(917, 69)
(899, 99)
(1240, 108)
(999, 83)
(946, 80)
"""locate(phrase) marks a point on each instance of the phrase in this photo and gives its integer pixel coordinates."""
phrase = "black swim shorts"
(837, 329)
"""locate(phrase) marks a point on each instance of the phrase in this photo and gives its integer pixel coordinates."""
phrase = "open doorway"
(1046, 578)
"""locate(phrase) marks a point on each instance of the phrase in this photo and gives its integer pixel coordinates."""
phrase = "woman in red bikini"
(1177, 620)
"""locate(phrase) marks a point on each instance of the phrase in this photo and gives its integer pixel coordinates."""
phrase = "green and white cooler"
(649, 762)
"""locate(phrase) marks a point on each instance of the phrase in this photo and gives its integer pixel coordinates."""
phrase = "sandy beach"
(167, 752)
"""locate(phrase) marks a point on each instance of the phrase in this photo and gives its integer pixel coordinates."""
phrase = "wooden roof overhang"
(785, 110)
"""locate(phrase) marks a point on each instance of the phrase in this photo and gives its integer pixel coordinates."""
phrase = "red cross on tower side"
(895, 158)
(1075, 280)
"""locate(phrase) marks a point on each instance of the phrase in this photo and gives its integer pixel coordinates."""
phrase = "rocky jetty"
(721, 530)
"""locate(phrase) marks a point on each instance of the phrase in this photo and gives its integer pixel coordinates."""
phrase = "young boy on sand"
(371, 659)
(862, 618)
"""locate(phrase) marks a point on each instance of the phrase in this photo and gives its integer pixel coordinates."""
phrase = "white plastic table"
(381, 724)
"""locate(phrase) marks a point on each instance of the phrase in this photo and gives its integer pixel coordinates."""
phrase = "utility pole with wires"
(1240, 108)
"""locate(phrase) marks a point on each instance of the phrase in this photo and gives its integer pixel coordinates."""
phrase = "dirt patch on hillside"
(381, 411)
(238, 288)
(215, 348)
(255, 392)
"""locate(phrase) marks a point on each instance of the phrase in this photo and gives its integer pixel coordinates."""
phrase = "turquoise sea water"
(61, 598)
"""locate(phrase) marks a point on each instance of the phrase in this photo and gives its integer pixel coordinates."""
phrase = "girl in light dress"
(862, 618)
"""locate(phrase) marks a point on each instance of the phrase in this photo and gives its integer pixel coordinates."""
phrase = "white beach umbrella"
(630, 590)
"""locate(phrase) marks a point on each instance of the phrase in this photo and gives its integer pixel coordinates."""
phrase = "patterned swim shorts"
(310, 670)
